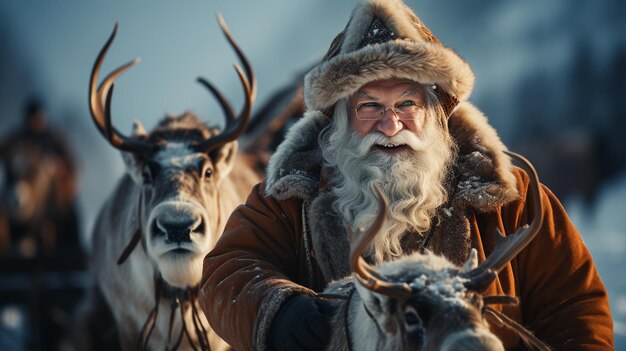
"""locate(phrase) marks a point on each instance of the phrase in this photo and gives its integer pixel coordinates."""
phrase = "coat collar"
(481, 180)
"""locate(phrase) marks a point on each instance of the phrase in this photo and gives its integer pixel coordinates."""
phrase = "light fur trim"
(293, 170)
(481, 158)
(426, 63)
(417, 55)
(483, 180)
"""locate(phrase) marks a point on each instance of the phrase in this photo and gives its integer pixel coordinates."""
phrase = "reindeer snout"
(177, 223)
(179, 230)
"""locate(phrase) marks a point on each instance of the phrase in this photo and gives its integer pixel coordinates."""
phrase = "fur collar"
(480, 181)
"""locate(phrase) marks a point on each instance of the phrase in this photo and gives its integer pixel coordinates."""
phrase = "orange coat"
(271, 246)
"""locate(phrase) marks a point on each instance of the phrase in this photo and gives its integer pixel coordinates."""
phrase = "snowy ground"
(604, 232)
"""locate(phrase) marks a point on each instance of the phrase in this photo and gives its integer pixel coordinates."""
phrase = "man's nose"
(390, 124)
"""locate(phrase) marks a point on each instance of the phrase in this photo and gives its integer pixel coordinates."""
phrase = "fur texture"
(179, 191)
(452, 320)
(480, 180)
(413, 182)
(415, 54)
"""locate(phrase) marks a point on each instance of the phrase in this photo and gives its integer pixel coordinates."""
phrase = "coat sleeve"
(253, 268)
(563, 299)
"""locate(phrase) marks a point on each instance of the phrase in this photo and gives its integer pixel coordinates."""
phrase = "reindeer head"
(179, 168)
(424, 302)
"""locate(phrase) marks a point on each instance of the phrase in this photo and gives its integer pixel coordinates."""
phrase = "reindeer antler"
(508, 247)
(100, 104)
(234, 125)
(365, 274)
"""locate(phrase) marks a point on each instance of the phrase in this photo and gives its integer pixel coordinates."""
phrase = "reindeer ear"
(373, 301)
(379, 307)
(138, 130)
(133, 166)
(472, 261)
(131, 161)
(224, 159)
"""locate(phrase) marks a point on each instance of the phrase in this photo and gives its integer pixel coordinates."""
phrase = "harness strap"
(182, 316)
(179, 339)
(173, 307)
(178, 297)
(142, 341)
(345, 320)
(130, 247)
(201, 332)
(501, 319)
(134, 240)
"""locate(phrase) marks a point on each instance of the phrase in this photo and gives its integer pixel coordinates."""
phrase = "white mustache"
(404, 137)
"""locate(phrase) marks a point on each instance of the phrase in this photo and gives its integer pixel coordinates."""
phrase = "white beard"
(413, 180)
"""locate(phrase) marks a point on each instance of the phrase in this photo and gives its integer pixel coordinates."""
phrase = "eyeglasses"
(372, 111)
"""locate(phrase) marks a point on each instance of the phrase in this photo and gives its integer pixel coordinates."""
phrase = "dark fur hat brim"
(424, 62)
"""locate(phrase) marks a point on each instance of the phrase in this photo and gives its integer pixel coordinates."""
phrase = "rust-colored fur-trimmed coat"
(286, 239)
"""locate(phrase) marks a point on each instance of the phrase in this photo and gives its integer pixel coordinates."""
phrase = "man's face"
(398, 104)
(405, 151)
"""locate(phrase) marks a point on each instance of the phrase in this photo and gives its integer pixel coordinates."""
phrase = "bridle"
(180, 299)
(490, 314)
(137, 236)
(500, 319)
(100, 107)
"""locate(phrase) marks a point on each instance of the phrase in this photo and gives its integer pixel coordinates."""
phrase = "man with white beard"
(387, 105)
(399, 147)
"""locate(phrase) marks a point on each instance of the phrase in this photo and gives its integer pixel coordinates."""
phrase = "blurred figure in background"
(42, 264)
(38, 188)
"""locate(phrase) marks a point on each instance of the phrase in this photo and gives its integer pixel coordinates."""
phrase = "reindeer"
(37, 193)
(423, 301)
(183, 180)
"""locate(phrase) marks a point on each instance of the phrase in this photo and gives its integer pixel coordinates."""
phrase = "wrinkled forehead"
(178, 155)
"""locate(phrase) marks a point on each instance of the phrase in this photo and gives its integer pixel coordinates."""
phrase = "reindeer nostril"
(176, 232)
(156, 229)
(178, 235)
(199, 227)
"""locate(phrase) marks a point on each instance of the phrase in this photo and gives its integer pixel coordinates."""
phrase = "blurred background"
(550, 77)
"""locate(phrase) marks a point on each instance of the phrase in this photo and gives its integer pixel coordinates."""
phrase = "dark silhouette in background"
(41, 261)
(38, 190)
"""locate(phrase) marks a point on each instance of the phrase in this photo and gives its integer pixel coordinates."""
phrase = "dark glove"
(302, 323)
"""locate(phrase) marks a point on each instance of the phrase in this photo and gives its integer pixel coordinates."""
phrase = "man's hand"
(302, 323)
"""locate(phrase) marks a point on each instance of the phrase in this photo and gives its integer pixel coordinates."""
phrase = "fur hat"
(385, 39)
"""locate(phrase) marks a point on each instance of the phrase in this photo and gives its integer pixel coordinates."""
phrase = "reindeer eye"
(149, 171)
(146, 174)
(411, 317)
(208, 172)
